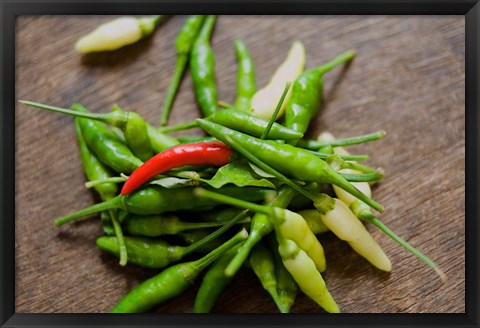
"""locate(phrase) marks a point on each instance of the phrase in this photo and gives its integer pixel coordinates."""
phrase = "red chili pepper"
(213, 153)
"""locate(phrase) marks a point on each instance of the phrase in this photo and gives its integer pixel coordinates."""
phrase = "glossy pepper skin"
(171, 282)
(183, 45)
(132, 125)
(105, 144)
(244, 122)
(295, 162)
(203, 153)
(259, 228)
(307, 94)
(193, 139)
(245, 77)
(305, 273)
(145, 252)
(158, 200)
(252, 125)
(136, 133)
(94, 170)
(202, 68)
(263, 265)
(287, 288)
(192, 236)
(159, 225)
(214, 283)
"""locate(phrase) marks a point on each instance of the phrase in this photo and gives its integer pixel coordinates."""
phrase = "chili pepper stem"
(93, 183)
(258, 230)
(224, 104)
(119, 235)
(314, 144)
(214, 282)
(200, 192)
(107, 118)
(243, 252)
(202, 242)
(148, 23)
(113, 203)
(324, 156)
(172, 90)
(277, 110)
(369, 217)
(157, 18)
(179, 127)
(338, 180)
(213, 255)
(340, 59)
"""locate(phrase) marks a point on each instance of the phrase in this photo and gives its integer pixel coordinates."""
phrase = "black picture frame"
(10, 9)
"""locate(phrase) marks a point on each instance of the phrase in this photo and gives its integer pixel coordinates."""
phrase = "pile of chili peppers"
(247, 195)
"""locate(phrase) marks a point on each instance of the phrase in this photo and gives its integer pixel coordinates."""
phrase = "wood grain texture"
(408, 79)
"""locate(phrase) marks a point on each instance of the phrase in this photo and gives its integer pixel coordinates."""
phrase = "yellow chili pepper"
(264, 101)
(291, 225)
(303, 270)
(117, 33)
(346, 226)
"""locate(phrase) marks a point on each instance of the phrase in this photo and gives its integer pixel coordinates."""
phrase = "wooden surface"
(408, 79)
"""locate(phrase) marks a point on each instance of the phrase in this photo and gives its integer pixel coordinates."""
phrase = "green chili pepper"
(136, 133)
(296, 162)
(159, 225)
(245, 77)
(132, 125)
(307, 94)
(145, 252)
(94, 169)
(251, 124)
(245, 122)
(106, 146)
(172, 281)
(183, 46)
(260, 227)
(192, 236)
(287, 288)
(159, 140)
(219, 214)
(214, 282)
(202, 68)
(156, 253)
(158, 200)
(192, 139)
(262, 263)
